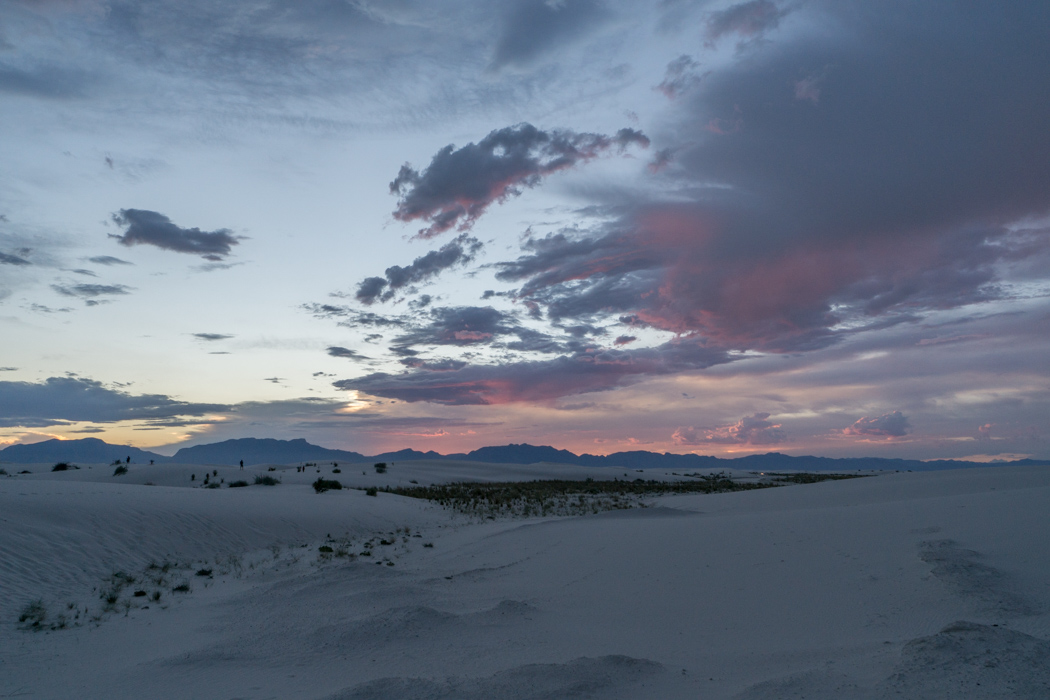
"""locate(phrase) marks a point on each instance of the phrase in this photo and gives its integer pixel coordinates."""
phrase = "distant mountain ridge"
(269, 450)
(90, 450)
(257, 450)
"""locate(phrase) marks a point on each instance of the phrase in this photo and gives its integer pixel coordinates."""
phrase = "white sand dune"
(913, 585)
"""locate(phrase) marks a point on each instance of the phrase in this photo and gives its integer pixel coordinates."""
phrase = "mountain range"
(271, 451)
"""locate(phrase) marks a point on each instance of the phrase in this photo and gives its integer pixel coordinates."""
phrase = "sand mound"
(606, 677)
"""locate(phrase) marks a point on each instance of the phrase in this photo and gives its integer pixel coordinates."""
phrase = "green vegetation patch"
(807, 478)
(571, 497)
(322, 485)
(563, 497)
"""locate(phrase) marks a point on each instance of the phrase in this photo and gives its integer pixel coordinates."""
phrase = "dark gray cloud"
(541, 380)
(47, 81)
(460, 325)
(212, 336)
(81, 271)
(747, 19)
(534, 27)
(91, 293)
(144, 227)
(44, 309)
(337, 351)
(421, 302)
(454, 253)
(353, 318)
(682, 75)
(888, 425)
(108, 260)
(785, 256)
(445, 365)
(59, 400)
(459, 184)
(6, 259)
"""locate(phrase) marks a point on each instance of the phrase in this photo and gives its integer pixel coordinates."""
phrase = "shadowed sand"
(904, 585)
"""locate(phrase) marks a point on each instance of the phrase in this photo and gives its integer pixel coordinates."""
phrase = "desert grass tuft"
(322, 485)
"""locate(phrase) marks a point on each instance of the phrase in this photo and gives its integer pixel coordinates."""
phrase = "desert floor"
(902, 585)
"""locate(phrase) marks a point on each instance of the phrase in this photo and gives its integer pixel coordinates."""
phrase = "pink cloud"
(755, 429)
(888, 425)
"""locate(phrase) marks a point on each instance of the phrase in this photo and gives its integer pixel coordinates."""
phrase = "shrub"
(271, 469)
(181, 588)
(33, 615)
(325, 549)
(204, 572)
(213, 485)
(380, 467)
(238, 484)
(265, 481)
(120, 471)
(140, 594)
(372, 491)
(322, 485)
(337, 470)
(62, 466)
(3, 472)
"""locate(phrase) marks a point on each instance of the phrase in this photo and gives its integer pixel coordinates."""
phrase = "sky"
(722, 228)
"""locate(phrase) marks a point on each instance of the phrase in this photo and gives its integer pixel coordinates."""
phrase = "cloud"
(108, 260)
(90, 293)
(459, 184)
(763, 251)
(6, 259)
(755, 429)
(534, 27)
(456, 252)
(210, 337)
(537, 381)
(144, 227)
(446, 365)
(460, 325)
(748, 19)
(336, 351)
(661, 159)
(58, 400)
(888, 425)
(47, 81)
(680, 77)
